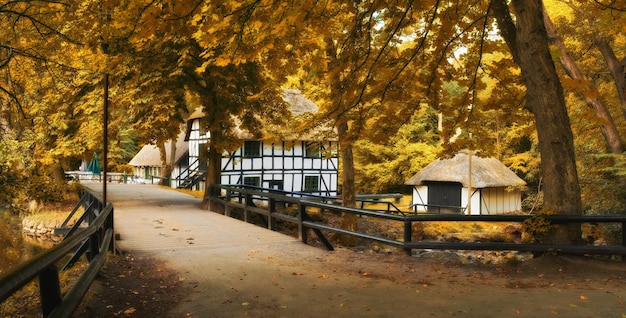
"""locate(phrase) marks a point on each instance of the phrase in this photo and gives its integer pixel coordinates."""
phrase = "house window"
(312, 149)
(251, 149)
(252, 181)
(311, 184)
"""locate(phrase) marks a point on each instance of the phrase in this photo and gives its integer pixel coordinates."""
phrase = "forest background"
(402, 82)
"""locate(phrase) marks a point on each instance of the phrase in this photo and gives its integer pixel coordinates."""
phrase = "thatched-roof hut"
(443, 186)
(147, 161)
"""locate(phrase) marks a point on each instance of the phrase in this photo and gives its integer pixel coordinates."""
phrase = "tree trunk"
(166, 168)
(617, 69)
(214, 169)
(544, 97)
(348, 192)
(607, 124)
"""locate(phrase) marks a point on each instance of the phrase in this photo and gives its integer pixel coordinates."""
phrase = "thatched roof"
(149, 155)
(298, 105)
(486, 172)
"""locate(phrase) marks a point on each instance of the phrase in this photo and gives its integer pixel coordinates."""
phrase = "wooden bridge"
(233, 267)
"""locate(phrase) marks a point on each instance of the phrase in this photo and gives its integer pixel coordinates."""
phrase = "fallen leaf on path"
(324, 276)
(245, 303)
(130, 311)
(583, 298)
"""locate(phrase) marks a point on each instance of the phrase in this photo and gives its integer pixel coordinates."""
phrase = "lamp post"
(469, 186)
(105, 138)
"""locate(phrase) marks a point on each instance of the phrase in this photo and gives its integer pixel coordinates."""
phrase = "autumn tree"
(32, 46)
(593, 80)
(529, 44)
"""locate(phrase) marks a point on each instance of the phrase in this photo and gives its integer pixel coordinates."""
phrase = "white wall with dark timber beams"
(286, 165)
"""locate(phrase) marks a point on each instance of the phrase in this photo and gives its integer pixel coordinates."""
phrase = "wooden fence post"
(302, 231)
(227, 204)
(272, 208)
(49, 290)
(408, 234)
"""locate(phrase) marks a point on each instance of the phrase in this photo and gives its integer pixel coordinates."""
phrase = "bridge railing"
(91, 235)
(245, 199)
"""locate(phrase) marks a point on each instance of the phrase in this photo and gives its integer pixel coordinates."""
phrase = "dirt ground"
(547, 286)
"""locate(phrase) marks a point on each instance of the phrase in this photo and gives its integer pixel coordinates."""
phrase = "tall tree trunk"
(348, 191)
(617, 69)
(544, 97)
(607, 124)
(171, 161)
(214, 169)
(166, 168)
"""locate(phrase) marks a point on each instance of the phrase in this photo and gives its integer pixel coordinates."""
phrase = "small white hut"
(147, 162)
(444, 186)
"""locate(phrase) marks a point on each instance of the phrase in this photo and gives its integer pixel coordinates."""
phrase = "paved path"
(236, 269)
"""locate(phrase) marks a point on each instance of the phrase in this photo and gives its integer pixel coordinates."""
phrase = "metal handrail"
(98, 235)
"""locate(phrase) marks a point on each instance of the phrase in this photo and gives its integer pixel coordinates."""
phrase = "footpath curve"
(236, 269)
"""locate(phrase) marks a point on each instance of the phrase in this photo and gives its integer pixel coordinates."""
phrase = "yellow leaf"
(221, 61)
(130, 311)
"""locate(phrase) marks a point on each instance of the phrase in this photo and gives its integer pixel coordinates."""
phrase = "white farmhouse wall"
(486, 201)
(419, 199)
(500, 200)
(475, 206)
(282, 163)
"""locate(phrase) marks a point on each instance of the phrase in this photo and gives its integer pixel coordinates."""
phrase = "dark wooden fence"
(265, 202)
(92, 235)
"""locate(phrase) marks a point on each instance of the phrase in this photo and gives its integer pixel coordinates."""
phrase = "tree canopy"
(401, 81)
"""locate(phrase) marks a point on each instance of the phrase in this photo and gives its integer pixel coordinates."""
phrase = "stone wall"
(42, 230)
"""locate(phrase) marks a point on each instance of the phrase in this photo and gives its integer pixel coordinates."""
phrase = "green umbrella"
(94, 165)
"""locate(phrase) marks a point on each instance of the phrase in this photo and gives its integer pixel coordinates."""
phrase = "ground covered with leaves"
(141, 286)
(133, 285)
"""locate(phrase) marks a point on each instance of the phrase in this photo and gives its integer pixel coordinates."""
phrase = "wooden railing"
(92, 235)
(247, 200)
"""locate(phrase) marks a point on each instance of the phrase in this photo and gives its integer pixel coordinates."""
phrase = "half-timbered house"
(299, 165)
